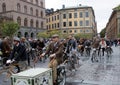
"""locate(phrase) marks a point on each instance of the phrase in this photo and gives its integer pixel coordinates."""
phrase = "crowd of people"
(21, 48)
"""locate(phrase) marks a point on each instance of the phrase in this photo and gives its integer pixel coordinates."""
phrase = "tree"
(48, 34)
(9, 28)
(118, 35)
(102, 33)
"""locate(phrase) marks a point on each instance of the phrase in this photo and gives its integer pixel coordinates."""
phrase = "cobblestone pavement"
(106, 72)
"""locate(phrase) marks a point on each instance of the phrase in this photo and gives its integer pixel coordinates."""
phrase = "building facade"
(113, 25)
(29, 14)
(72, 20)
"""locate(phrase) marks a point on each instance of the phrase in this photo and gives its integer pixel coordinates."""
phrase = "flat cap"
(55, 35)
(16, 39)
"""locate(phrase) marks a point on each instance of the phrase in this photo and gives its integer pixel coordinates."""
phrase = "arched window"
(25, 9)
(18, 7)
(41, 3)
(4, 7)
(37, 24)
(37, 12)
(41, 14)
(25, 22)
(31, 11)
(31, 1)
(19, 20)
(31, 22)
(37, 2)
(42, 24)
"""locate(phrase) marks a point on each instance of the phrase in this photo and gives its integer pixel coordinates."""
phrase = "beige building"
(72, 20)
(30, 15)
(113, 25)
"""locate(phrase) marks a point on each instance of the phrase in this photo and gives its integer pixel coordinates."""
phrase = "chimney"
(63, 6)
(80, 4)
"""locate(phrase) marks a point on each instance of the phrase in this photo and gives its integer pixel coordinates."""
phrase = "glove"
(52, 55)
(12, 60)
(8, 61)
(43, 54)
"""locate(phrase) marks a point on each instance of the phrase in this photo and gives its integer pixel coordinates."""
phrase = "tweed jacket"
(18, 53)
(57, 49)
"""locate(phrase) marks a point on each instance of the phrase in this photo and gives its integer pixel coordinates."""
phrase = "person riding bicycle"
(55, 51)
(103, 45)
(5, 49)
(18, 54)
(71, 44)
(28, 48)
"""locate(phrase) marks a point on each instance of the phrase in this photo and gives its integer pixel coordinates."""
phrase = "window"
(81, 14)
(19, 20)
(31, 1)
(25, 22)
(37, 12)
(18, 7)
(57, 17)
(31, 11)
(86, 14)
(81, 23)
(31, 22)
(4, 7)
(87, 31)
(37, 2)
(75, 23)
(41, 4)
(70, 31)
(25, 9)
(37, 23)
(64, 16)
(52, 18)
(42, 24)
(58, 25)
(55, 25)
(41, 14)
(70, 15)
(64, 24)
(87, 22)
(52, 26)
(75, 15)
(70, 23)
(64, 31)
(75, 31)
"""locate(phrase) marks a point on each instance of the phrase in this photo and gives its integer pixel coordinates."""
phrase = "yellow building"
(72, 20)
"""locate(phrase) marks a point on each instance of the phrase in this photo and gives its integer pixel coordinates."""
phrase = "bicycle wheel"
(61, 80)
(14, 69)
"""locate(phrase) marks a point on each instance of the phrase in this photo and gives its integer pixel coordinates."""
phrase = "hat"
(55, 35)
(16, 39)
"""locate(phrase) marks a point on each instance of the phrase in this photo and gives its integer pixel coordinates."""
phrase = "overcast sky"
(102, 8)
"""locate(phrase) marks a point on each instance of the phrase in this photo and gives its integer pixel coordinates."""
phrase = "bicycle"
(61, 75)
(94, 56)
(109, 52)
(13, 68)
(87, 51)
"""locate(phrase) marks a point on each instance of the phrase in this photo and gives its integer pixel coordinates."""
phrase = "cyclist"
(18, 54)
(5, 49)
(28, 48)
(55, 50)
(103, 45)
